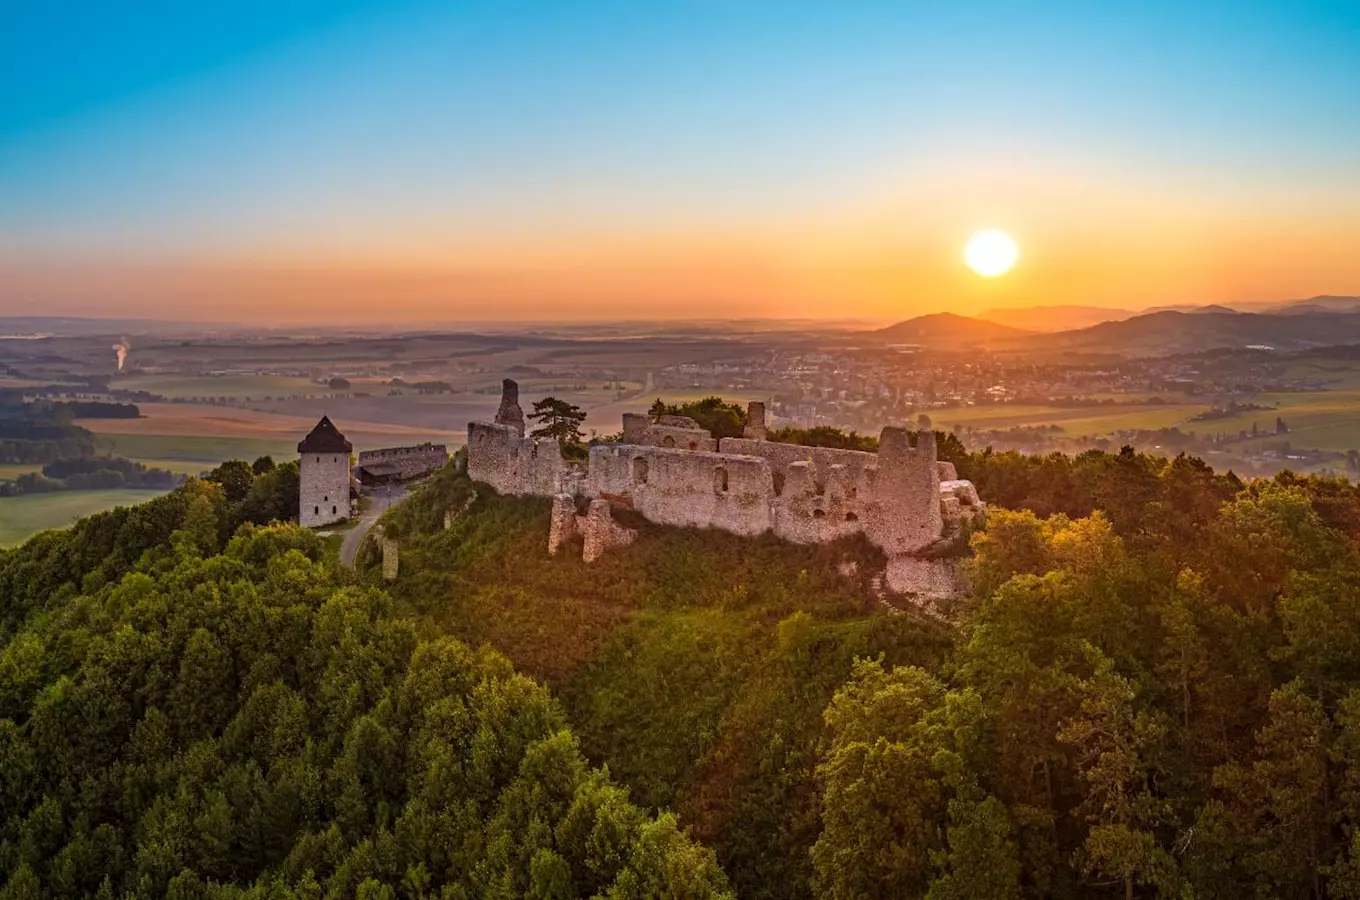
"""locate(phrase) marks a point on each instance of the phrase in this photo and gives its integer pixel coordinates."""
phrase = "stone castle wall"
(412, 462)
(682, 487)
(323, 488)
(902, 499)
(676, 432)
(500, 457)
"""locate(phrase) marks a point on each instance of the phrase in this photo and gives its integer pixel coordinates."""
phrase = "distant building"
(324, 476)
(393, 464)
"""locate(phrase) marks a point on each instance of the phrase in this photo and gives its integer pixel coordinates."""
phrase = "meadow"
(22, 517)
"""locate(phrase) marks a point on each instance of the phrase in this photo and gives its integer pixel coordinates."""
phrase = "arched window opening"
(851, 517)
(668, 441)
(819, 514)
(720, 480)
(333, 512)
(640, 468)
(316, 510)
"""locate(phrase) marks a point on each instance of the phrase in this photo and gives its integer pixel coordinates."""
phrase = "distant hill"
(1055, 318)
(1168, 332)
(1322, 304)
(947, 327)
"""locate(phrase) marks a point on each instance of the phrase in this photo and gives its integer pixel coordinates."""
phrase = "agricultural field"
(23, 517)
(195, 387)
(1320, 420)
(1093, 420)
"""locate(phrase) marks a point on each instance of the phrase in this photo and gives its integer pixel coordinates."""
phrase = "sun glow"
(991, 253)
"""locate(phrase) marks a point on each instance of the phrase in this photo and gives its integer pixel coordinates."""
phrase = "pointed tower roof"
(325, 438)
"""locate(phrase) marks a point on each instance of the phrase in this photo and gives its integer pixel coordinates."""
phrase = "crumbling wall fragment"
(600, 532)
(509, 412)
(562, 523)
(755, 421)
(391, 560)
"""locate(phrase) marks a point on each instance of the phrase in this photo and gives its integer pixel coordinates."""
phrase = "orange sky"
(883, 265)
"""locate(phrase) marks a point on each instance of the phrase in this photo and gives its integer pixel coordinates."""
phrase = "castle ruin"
(673, 472)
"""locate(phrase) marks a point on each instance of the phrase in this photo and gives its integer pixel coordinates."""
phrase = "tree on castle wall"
(558, 419)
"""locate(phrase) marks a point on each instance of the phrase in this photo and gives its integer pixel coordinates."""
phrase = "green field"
(183, 386)
(22, 517)
(1090, 420)
(1317, 420)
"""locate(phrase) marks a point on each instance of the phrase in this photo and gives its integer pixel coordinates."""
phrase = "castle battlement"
(672, 472)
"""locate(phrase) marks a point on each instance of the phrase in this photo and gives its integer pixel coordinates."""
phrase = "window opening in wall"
(639, 470)
(693, 446)
(668, 441)
(333, 512)
(852, 492)
(851, 517)
(316, 510)
(778, 483)
(720, 480)
(818, 514)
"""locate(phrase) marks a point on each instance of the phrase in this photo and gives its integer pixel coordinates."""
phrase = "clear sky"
(389, 161)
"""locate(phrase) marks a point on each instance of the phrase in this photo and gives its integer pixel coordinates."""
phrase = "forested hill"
(1152, 691)
(183, 716)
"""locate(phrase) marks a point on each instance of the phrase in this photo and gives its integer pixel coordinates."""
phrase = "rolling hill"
(947, 327)
(1055, 318)
(1168, 332)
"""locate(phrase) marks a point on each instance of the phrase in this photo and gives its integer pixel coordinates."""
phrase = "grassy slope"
(695, 664)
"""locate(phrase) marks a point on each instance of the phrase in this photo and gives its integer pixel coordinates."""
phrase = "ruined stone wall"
(904, 513)
(511, 464)
(411, 461)
(781, 456)
(323, 489)
(669, 432)
(681, 487)
(820, 493)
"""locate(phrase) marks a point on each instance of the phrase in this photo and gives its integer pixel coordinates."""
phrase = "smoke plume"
(121, 348)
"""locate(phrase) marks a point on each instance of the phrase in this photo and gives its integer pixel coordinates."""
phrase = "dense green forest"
(1152, 689)
(191, 718)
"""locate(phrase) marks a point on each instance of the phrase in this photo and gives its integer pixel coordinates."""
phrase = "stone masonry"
(323, 476)
(902, 499)
(510, 413)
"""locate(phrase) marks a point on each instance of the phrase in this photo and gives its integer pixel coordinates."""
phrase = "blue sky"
(441, 133)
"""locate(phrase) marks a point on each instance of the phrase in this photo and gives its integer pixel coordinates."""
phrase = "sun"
(991, 253)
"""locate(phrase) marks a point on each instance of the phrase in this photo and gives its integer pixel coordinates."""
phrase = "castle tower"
(323, 474)
(905, 516)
